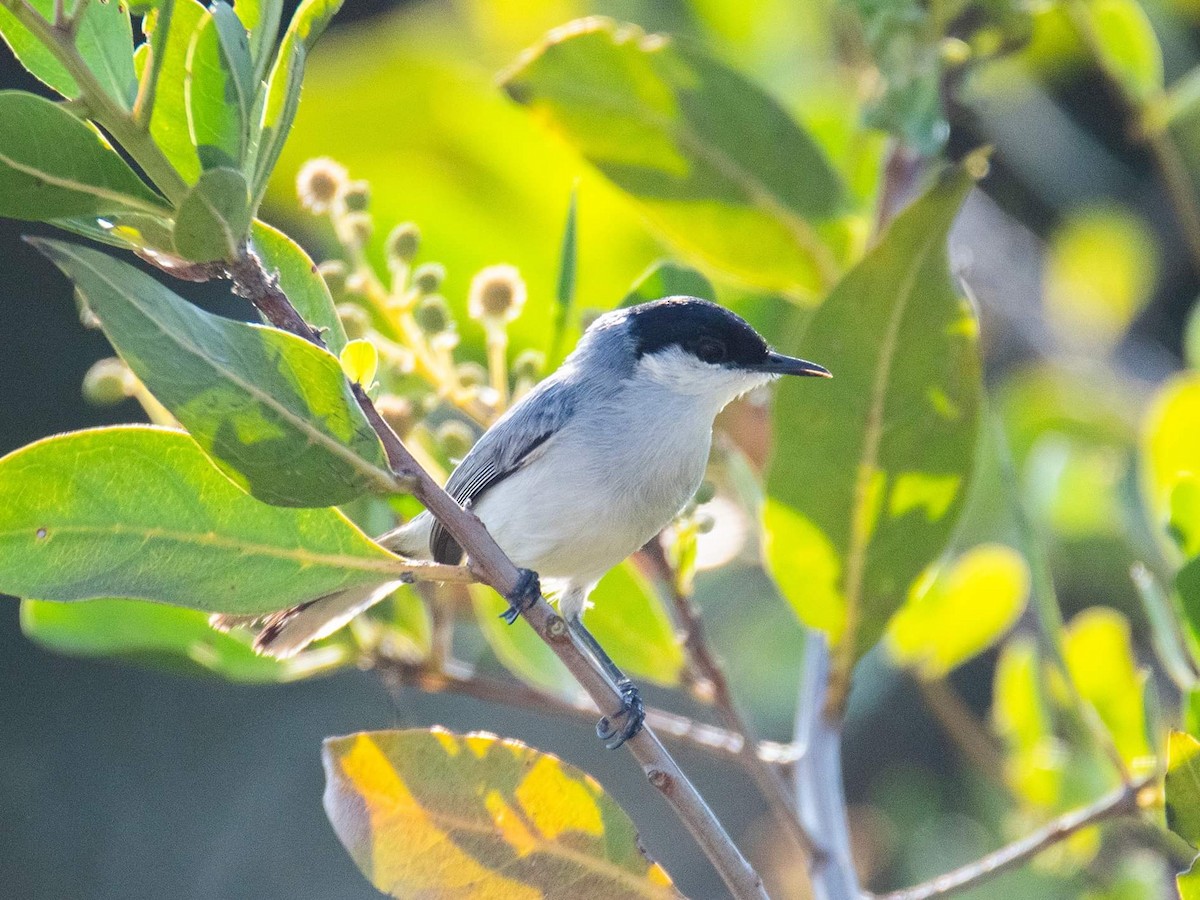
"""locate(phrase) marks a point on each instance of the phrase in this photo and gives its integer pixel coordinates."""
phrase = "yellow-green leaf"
(1099, 656)
(1188, 882)
(435, 814)
(1183, 786)
(169, 118)
(1170, 443)
(957, 611)
(1034, 764)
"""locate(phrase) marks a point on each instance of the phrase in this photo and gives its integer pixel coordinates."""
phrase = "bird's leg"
(527, 592)
(616, 729)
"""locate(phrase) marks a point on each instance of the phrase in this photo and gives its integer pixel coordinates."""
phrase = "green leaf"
(1126, 42)
(956, 612)
(628, 619)
(274, 410)
(1170, 445)
(285, 82)
(261, 18)
(871, 468)
(169, 118)
(1100, 659)
(428, 813)
(1183, 786)
(166, 638)
(519, 649)
(104, 41)
(718, 166)
(1187, 586)
(564, 290)
(1019, 715)
(1188, 882)
(669, 279)
(214, 218)
(219, 88)
(142, 513)
(53, 165)
(299, 279)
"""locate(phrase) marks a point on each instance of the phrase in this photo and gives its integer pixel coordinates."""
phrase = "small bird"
(585, 468)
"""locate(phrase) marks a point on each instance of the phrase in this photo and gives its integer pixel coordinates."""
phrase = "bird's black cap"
(710, 333)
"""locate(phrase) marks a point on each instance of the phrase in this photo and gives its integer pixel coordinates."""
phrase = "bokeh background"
(122, 782)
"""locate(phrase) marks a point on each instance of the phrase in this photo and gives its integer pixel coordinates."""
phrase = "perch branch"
(1124, 801)
(494, 568)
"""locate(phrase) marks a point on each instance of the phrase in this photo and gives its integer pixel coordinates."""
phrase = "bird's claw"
(617, 729)
(527, 592)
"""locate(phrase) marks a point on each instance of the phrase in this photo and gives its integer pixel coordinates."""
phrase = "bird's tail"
(287, 632)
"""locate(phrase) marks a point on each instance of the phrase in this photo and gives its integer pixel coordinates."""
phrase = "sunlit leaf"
(1126, 41)
(1170, 442)
(628, 619)
(219, 88)
(273, 409)
(718, 166)
(284, 84)
(435, 814)
(1183, 786)
(956, 612)
(168, 638)
(104, 41)
(169, 118)
(871, 468)
(261, 18)
(360, 361)
(568, 263)
(1188, 882)
(1034, 765)
(300, 281)
(1099, 272)
(214, 217)
(669, 279)
(141, 512)
(1099, 656)
(53, 165)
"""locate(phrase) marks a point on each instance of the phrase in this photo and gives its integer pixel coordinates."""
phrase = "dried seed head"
(107, 382)
(398, 412)
(428, 278)
(335, 272)
(529, 365)
(355, 320)
(357, 228)
(319, 183)
(403, 243)
(357, 196)
(497, 294)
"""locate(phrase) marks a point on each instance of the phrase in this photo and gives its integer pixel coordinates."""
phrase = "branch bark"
(493, 567)
(1121, 802)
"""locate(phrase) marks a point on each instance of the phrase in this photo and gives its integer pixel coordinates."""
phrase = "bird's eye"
(710, 350)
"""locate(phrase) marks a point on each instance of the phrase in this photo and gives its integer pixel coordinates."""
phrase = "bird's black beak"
(778, 364)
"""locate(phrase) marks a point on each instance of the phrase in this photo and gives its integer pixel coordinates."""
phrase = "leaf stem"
(1123, 801)
(114, 119)
(962, 726)
(143, 106)
(490, 564)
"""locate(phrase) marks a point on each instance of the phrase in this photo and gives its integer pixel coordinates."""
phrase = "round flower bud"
(319, 183)
(357, 228)
(357, 196)
(529, 365)
(428, 277)
(705, 493)
(403, 243)
(398, 412)
(355, 320)
(497, 294)
(433, 315)
(107, 382)
(455, 438)
(335, 273)
(472, 374)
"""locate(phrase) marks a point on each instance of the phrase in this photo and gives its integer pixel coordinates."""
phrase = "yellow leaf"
(1171, 456)
(360, 361)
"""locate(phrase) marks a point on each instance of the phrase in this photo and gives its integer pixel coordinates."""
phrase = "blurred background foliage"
(1080, 252)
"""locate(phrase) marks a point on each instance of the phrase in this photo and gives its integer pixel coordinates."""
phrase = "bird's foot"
(617, 729)
(527, 592)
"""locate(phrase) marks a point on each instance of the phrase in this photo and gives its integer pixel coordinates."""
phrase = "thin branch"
(962, 726)
(1124, 801)
(494, 568)
(770, 781)
(457, 677)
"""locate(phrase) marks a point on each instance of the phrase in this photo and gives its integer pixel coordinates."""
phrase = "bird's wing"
(504, 448)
